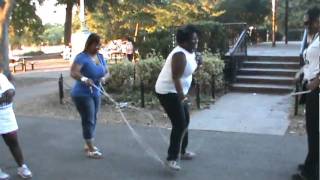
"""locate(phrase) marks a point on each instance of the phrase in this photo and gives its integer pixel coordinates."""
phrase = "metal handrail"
(241, 41)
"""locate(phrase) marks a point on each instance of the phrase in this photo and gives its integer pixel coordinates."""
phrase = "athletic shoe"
(188, 156)
(173, 165)
(24, 172)
(3, 175)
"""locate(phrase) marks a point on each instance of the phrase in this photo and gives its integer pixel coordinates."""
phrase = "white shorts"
(8, 122)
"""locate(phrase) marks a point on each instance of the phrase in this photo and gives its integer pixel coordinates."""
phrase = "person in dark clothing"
(310, 169)
(172, 86)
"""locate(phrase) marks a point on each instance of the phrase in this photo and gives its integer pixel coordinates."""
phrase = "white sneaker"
(24, 172)
(188, 156)
(173, 165)
(3, 175)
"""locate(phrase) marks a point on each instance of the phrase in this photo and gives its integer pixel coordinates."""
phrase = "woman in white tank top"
(172, 86)
(9, 127)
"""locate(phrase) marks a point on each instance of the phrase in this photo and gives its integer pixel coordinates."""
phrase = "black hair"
(313, 14)
(184, 34)
(93, 38)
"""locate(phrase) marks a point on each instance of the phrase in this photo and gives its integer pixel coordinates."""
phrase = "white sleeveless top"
(8, 121)
(165, 84)
(312, 54)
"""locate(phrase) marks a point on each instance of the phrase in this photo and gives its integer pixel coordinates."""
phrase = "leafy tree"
(5, 10)
(252, 12)
(53, 34)
(90, 4)
(25, 24)
(297, 10)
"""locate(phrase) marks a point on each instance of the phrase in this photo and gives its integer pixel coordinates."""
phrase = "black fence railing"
(233, 31)
(237, 40)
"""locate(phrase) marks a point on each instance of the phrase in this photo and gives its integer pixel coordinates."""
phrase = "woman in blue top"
(89, 68)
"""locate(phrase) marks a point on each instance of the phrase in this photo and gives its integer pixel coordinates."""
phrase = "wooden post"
(142, 94)
(61, 93)
(286, 21)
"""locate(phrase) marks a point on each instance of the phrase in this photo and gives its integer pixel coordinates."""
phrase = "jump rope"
(148, 149)
(138, 138)
(145, 146)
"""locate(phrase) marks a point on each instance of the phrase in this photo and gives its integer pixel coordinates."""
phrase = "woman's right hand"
(89, 82)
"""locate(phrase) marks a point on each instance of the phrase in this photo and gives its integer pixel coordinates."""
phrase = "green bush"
(148, 70)
(210, 72)
(212, 36)
(121, 77)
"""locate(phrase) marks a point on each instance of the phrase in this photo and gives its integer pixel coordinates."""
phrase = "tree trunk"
(5, 10)
(68, 23)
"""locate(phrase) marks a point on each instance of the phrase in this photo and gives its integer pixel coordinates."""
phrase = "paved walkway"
(281, 49)
(43, 88)
(53, 149)
(245, 112)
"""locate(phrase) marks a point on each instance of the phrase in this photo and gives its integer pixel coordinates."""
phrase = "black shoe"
(298, 177)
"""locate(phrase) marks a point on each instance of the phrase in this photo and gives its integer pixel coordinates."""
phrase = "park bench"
(22, 61)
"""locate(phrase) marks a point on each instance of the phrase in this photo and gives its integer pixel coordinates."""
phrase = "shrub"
(121, 76)
(210, 72)
(212, 36)
(148, 70)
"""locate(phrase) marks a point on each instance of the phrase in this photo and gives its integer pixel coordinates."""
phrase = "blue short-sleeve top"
(91, 70)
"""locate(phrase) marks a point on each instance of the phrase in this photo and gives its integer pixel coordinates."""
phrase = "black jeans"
(311, 168)
(178, 113)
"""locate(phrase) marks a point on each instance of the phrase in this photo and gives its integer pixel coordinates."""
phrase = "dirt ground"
(297, 123)
(49, 106)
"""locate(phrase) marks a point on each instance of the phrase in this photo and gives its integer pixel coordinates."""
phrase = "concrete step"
(268, 72)
(271, 64)
(261, 88)
(274, 58)
(276, 80)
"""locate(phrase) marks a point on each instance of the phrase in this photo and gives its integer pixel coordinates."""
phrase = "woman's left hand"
(105, 79)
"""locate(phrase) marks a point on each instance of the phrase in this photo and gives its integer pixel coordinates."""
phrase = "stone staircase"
(267, 74)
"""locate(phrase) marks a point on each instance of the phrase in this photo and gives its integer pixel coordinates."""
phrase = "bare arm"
(178, 66)
(75, 73)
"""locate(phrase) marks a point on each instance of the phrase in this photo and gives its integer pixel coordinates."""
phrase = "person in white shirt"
(310, 169)
(172, 86)
(9, 127)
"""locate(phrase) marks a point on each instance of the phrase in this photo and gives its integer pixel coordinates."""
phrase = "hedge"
(212, 36)
(148, 70)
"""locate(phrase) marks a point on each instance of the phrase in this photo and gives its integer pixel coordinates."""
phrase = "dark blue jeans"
(88, 107)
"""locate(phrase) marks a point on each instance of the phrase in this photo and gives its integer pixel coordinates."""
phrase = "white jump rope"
(148, 149)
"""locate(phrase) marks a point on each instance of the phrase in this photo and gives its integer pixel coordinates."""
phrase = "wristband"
(84, 79)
